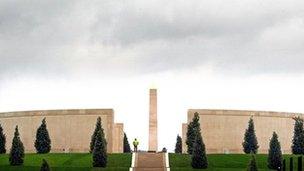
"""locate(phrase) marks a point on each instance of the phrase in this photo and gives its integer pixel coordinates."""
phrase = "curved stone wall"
(223, 130)
(70, 130)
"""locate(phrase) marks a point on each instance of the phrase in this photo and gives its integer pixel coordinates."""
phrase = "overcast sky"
(107, 54)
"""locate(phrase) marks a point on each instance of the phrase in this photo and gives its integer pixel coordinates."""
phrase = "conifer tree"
(252, 166)
(274, 153)
(250, 143)
(45, 166)
(127, 148)
(2, 141)
(43, 141)
(100, 150)
(298, 137)
(178, 145)
(193, 126)
(199, 157)
(93, 137)
(17, 150)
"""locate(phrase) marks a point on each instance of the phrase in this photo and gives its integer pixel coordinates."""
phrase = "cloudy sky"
(107, 54)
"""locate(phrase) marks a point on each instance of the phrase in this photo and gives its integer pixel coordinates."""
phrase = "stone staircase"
(150, 162)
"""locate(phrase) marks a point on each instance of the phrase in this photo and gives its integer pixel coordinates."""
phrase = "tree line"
(196, 147)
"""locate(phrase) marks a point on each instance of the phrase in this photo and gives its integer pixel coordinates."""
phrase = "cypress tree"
(193, 126)
(250, 143)
(17, 150)
(2, 141)
(127, 148)
(93, 137)
(298, 137)
(43, 141)
(178, 145)
(45, 166)
(100, 150)
(199, 157)
(274, 153)
(252, 166)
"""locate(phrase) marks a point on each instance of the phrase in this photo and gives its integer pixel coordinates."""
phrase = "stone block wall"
(69, 130)
(223, 130)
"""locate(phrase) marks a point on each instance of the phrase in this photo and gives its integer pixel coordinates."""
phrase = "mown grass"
(223, 162)
(66, 162)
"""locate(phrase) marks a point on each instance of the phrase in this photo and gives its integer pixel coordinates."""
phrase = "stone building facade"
(223, 130)
(69, 130)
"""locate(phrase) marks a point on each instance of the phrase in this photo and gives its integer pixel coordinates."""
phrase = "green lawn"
(67, 162)
(223, 162)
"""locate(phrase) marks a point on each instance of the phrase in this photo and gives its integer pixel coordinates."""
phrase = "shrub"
(298, 137)
(43, 141)
(250, 143)
(127, 148)
(2, 141)
(17, 150)
(192, 129)
(100, 149)
(178, 145)
(274, 153)
(199, 158)
(93, 137)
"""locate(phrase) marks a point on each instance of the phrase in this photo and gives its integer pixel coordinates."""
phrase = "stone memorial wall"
(69, 130)
(223, 130)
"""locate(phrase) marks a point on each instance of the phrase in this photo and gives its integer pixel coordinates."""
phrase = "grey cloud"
(136, 23)
(133, 37)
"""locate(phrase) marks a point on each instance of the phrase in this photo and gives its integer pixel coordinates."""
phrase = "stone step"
(149, 162)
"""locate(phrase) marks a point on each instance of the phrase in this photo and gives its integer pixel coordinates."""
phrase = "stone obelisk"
(153, 121)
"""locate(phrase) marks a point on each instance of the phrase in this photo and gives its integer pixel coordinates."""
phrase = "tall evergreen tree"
(298, 137)
(193, 126)
(45, 166)
(127, 148)
(178, 145)
(274, 153)
(2, 141)
(250, 143)
(100, 150)
(252, 166)
(199, 157)
(17, 150)
(43, 141)
(93, 137)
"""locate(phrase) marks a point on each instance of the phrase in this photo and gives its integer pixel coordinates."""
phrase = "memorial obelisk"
(153, 121)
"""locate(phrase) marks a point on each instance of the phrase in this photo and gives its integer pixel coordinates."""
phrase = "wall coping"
(256, 113)
(57, 112)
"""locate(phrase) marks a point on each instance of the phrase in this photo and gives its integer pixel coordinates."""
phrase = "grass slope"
(66, 162)
(223, 162)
